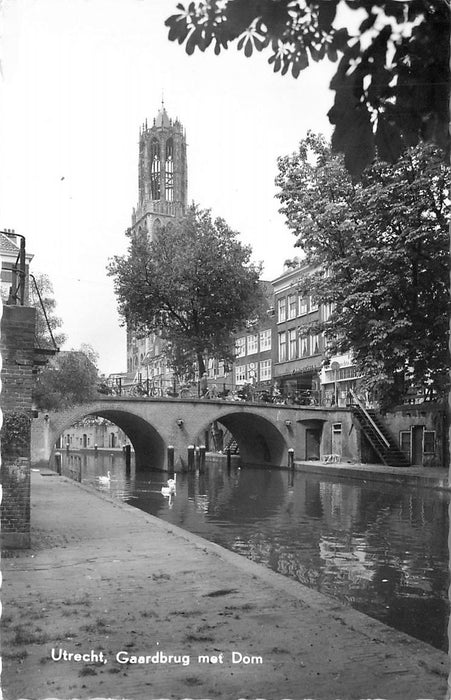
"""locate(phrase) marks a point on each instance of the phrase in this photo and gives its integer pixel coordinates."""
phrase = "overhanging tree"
(381, 252)
(70, 378)
(194, 285)
(391, 85)
(47, 323)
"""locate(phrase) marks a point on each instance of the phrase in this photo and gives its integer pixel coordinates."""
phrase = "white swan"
(170, 488)
(105, 479)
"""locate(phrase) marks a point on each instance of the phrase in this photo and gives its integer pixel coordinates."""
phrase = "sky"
(78, 79)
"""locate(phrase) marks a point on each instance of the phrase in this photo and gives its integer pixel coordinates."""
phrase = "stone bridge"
(264, 432)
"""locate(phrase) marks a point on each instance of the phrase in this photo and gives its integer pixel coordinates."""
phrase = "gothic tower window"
(155, 167)
(169, 171)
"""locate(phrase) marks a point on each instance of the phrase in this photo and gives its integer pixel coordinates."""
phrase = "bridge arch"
(258, 439)
(147, 442)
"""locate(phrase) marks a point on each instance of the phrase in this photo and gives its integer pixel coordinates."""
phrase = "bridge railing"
(249, 393)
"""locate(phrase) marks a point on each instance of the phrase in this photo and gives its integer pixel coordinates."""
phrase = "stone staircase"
(232, 445)
(379, 438)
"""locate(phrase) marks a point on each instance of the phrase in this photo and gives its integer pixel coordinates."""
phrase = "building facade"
(300, 351)
(255, 348)
(92, 433)
(302, 369)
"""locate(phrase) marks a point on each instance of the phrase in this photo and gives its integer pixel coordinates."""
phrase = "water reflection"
(381, 548)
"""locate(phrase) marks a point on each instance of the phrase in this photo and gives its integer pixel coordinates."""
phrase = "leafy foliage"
(380, 248)
(194, 285)
(391, 86)
(15, 435)
(43, 337)
(70, 379)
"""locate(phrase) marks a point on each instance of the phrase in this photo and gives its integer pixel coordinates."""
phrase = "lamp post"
(335, 366)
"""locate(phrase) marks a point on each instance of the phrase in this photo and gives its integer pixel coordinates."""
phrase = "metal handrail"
(368, 417)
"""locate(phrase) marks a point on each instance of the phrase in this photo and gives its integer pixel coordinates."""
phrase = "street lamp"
(335, 366)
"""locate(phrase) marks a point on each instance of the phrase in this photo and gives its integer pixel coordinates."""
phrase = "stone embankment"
(113, 603)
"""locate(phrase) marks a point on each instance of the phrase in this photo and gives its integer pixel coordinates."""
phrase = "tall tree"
(70, 378)
(381, 251)
(194, 285)
(47, 323)
(391, 85)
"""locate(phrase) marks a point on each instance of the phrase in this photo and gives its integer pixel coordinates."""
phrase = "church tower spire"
(162, 173)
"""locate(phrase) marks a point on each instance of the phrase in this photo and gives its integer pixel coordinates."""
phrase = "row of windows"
(343, 373)
(254, 371)
(291, 347)
(85, 440)
(294, 305)
(249, 345)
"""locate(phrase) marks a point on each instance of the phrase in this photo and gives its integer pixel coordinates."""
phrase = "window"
(265, 370)
(221, 368)
(429, 442)
(240, 347)
(252, 344)
(304, 346)
(282, 347)
(7, 272)
(240, 374)
(327, 311)
(313, 305)
(404, 442)
(314, 344)
(169, 171)
(292, 344)
(292, 306)
(281, 309)
(302, 306)
(155, 169)
(265, 340)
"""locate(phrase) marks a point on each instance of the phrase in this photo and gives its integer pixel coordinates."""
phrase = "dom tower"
(162, 184)
(162, 174)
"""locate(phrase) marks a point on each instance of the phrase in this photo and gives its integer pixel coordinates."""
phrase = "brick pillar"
(17, 349)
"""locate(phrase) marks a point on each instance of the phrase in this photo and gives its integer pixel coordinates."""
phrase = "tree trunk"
(200, 364)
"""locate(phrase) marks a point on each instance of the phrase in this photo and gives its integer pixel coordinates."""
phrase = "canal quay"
(113, 602)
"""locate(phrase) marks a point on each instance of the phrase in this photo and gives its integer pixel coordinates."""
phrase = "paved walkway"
(112, 583)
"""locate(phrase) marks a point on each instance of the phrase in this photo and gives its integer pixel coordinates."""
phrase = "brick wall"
(17, 349)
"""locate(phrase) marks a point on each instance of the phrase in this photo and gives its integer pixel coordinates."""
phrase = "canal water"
(382, 549)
